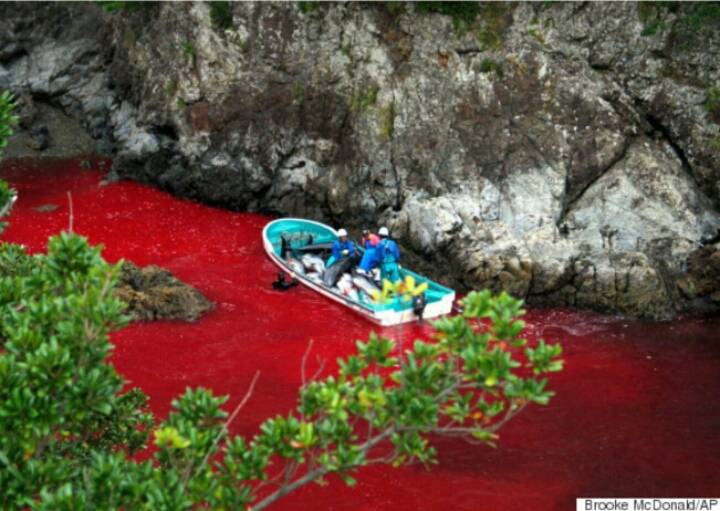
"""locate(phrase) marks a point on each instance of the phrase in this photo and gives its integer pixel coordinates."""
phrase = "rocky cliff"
(566, 152)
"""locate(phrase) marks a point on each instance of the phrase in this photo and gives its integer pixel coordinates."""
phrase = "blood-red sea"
(636, 414)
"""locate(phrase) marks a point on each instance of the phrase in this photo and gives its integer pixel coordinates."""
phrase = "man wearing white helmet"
(389, 256)
(341, 247)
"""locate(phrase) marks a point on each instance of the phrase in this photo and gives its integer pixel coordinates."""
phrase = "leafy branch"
(471, 379)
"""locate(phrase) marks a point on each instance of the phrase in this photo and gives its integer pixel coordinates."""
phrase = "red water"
(636, 412)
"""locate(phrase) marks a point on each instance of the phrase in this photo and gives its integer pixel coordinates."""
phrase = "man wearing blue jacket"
(389, 256)
(370, 258)
(341, 247)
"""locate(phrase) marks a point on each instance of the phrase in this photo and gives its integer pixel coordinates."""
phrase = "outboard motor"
(418, 305)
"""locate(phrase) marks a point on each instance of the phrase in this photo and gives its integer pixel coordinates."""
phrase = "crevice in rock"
(599, 66)
(570, 202)
(660, 128)
(166, 130)
(8, 58)
(467, 51)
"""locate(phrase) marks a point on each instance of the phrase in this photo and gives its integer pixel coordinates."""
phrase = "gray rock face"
(57, 55)
(563, 153)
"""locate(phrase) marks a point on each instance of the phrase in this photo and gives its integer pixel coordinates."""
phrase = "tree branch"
(71, 217)
(304, 362)
(318, 472)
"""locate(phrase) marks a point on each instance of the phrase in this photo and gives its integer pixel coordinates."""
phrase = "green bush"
(60, 401)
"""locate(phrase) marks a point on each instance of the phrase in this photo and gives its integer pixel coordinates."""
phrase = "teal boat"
(301, 248)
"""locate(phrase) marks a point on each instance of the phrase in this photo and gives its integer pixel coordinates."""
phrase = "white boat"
(286, 240)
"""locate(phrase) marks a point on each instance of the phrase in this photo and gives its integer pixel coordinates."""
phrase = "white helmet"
(341, 232)
(383, 231)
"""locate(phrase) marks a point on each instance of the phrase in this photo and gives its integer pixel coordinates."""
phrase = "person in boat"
(365, 240)
(388, 256)
(369, 261)
(341, 247)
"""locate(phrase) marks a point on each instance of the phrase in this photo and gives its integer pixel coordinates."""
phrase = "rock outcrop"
(153, 293)
(566, 153)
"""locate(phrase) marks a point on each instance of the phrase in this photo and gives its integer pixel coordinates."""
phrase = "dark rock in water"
(39, 138)
(153, 293)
